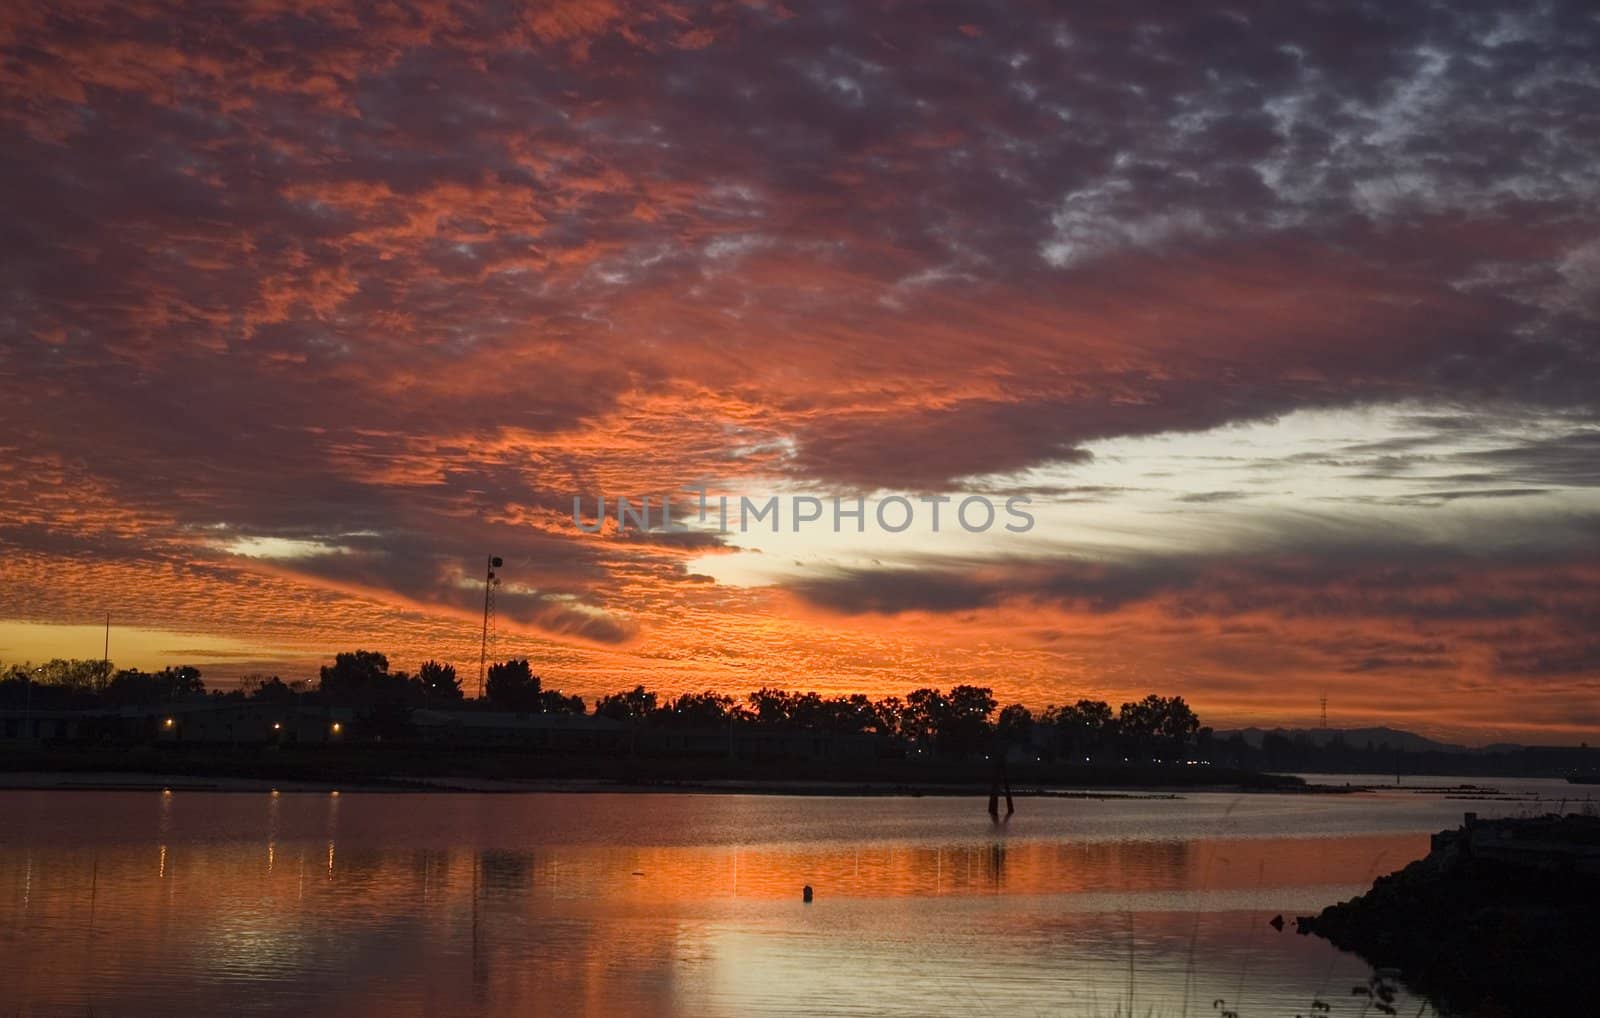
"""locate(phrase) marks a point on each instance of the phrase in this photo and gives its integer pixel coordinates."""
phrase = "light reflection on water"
(156, 903)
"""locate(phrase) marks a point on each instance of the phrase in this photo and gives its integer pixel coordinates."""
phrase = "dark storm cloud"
(431, 571)
(1286, 563)
(942, 584)
(1572, 459)
(1534, 619)
(1213, 496)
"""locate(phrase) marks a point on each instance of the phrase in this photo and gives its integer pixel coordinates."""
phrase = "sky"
(1284, 317)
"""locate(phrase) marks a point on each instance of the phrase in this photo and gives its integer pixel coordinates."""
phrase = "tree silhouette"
(513, 686)
(354, 674)
(636, 704)
(692, 710)
(438, 682)
(919, 722)
(773, 708)
(362, 679)
(132, 687)
(964, 729)
(1014, 728)
(551, 701)
(270, 689)
(1157, 725)
(1083, 729)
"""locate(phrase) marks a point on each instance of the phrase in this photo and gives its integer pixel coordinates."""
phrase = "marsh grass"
(1380, 994)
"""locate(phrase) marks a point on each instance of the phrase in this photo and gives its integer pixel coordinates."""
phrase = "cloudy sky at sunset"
(1286, 318)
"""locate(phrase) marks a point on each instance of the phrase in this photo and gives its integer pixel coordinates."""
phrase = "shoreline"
(1493, 920)
(395, 768)
(130, 781)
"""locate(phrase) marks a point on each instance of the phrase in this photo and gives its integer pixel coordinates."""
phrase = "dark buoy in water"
(806, 894)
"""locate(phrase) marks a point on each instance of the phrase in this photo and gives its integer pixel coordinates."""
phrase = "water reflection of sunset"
(321, 907)
(668, 874)
(1183, 873)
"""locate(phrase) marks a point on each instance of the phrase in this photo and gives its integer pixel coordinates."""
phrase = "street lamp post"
(489, 582)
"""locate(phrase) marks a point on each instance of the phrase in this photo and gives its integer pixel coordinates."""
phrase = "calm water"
(144, 902)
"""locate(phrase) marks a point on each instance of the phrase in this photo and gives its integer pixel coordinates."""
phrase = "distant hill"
(1356, 738)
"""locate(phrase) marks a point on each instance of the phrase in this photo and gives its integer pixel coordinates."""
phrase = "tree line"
(73, 684)
(959, 721)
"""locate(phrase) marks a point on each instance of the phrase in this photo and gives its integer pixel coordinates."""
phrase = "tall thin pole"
(105, 657)
(483, 647)
(488, 608)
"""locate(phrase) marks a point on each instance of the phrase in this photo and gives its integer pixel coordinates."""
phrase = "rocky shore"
(1502, 917)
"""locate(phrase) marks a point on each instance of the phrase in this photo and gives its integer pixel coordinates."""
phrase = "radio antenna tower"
(490, 581)
(1324, 710)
